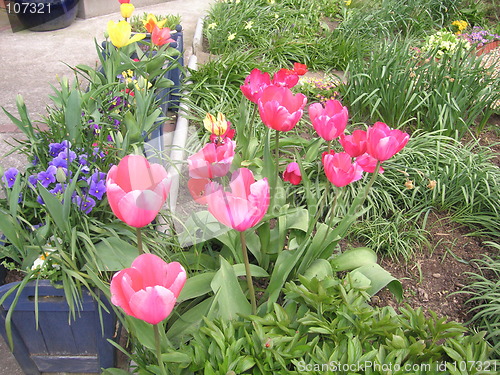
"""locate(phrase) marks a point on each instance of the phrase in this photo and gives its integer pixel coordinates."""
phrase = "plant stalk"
(138, 233)
(158, 349)
(251, 289)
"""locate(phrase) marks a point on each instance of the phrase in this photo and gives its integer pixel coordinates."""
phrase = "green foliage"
(324, 322)
(484, 301)
(136, 21)
(449, 94)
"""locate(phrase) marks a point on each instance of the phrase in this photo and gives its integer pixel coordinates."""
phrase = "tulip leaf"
(188, 322)
(73, 116)
(55, 208)
(239, 270)
(379, 279)
(114, 254)
(196, 286)
(229, 296)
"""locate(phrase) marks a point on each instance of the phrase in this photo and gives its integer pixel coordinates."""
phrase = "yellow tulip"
(126, 9)
(151, 21)
(120, 34)
(216, 126)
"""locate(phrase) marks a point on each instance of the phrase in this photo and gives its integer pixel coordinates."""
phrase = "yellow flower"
(217, 126)
(212, 25)
(409, 184)
(432, 184)
(248, 25)
(231, 36)
(347, 2)
(151, 22)
(126, 9)
(120, 34)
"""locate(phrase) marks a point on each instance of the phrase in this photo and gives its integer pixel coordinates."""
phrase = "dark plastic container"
(59, 344)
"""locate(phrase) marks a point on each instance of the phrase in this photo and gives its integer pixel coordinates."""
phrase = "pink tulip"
(292, 174)
(213, 160)
(285, 78)
(368, 163)
(137, 190)
(340, 169)
(354, 144)
(196, 187)
(279, 109)
(244, 206)
(255, 82)
(383, 142)
(148, 290)
(329, 121)
(159, 37)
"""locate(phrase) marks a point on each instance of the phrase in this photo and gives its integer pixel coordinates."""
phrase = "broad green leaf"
(239, 270)
(196, 286)
(190, 320)
(353, 258)
(380, 278)
(229, 296)
(319, 269)
(73, 116)
(114, 254)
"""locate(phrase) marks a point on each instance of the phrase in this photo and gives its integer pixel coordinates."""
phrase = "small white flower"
(231, 36)
(248, 25)
(212, 25)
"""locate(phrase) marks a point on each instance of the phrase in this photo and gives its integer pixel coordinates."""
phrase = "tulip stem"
(138, 232)
(251, 289)
(158, 349)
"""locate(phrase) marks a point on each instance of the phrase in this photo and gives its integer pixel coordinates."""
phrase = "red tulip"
(255, 82)
(354, 144)
(159, 37)
(124, 1)
(383, 142)
(292, 174)
(244, 206)
(137, 190)
(213, 160)
(329, 121)
(368, 163)
(340, 169)
(148, 290)
(196, 187)
(279, 109)
(299, 68)
(285, 78)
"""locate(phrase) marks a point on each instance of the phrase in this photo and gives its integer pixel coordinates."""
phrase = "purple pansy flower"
(97, 189)
(47, 177)
(86, 205)
(10, 176)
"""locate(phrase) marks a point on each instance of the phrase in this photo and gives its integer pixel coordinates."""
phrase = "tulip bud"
(217, 126)
(60, 175)
(126, 9)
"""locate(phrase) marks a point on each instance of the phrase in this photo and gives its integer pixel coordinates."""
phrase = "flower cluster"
(58, 174)
(320, 89)
(459, 26)
(445, 43)
(479, 36)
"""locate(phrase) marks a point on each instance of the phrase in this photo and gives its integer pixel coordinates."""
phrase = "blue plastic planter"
(45, 15)
(57, 345)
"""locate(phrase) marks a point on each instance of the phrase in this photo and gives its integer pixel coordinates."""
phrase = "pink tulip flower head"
(149, 289)
(383, 142)
(162, 36)
(279, 109)
(340, 169)
(137, 190)
(196, 187)
(244, 206)
(292, 173)
(354, 144)
(213, 160)
(368, 163)
(329, 121)
(285, 78)
(255, 82)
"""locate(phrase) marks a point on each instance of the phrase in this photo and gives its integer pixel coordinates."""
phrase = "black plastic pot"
(44, 15)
